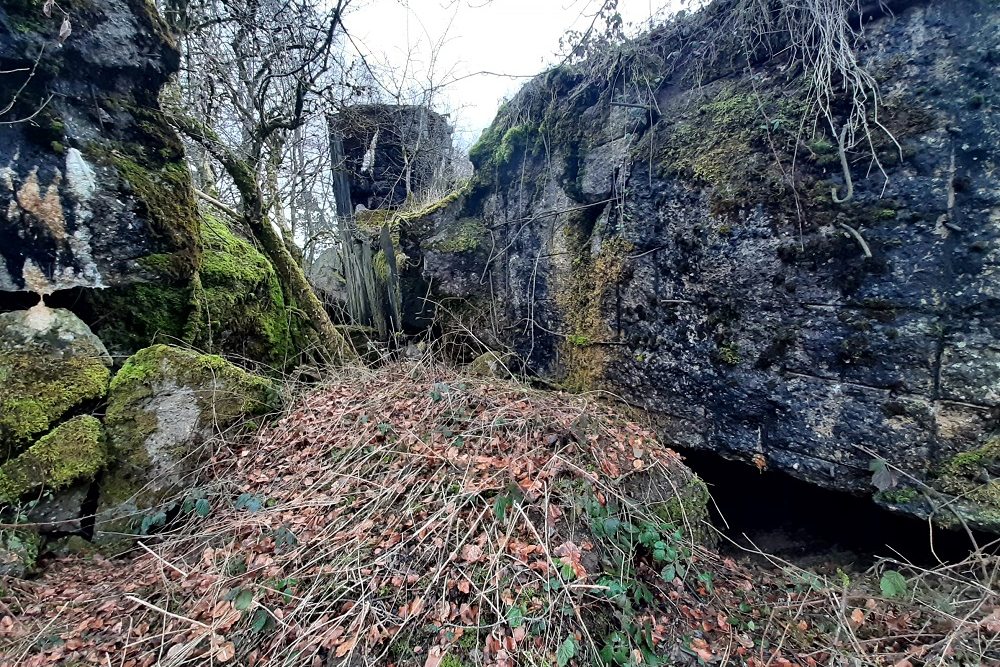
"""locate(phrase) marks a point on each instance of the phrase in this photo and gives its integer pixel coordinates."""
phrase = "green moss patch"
(71, 452)
(726, 141)
(464, 235)
(963, 476)
(38, 390)
(238, 301)
(970, 464)
(580, 296)
(225, 393)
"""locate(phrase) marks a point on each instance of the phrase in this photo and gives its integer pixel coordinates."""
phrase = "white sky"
(508, 37)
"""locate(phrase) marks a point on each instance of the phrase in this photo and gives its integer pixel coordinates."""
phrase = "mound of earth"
(413, 516)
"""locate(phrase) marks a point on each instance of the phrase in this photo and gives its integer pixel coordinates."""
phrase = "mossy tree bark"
(332, 345)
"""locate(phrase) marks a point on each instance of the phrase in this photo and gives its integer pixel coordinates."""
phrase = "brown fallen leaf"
(857, 617)
(434, 657)
(701, 648)
(992, 622)
(346, 647)
(472, 553)
(225, 652)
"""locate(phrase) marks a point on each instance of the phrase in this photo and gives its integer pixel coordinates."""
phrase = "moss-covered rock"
(163, 405)
(501, 365)
(50, 363)
(71, 452)
(240, 307)
(464, 235)
(40, 390)
(971, 478)
(227, 299)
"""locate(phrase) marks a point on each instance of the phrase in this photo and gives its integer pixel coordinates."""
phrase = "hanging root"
(847, 172)
(856, 234)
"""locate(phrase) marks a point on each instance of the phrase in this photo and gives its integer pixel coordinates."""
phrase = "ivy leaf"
(515, 617)
(893, 584)
(261, 620)
(202, 507)
(243, 599)
(669, 573)
(611, 525)
(566, 651)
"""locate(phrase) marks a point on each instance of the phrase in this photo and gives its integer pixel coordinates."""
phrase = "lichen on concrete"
(581, 298)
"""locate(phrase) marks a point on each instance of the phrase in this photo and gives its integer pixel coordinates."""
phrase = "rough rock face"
(90, 186)
(387, 148)
(95, 196)
(163, 405)
(657, 250)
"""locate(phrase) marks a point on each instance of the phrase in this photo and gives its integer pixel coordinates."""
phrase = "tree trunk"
(333, 346)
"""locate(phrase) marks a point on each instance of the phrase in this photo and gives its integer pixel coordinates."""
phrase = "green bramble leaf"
(893, 584)
(566, 651)
(202, 507)
(243, 599)
(261, 620)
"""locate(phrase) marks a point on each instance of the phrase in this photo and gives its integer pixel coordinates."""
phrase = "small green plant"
(628, 542)
(729, 353)
(196, 504)
(242, 598)
(504, 501)
(893, 584)
(566, 651)
(579, 340)
(250, 502)
(152, 520)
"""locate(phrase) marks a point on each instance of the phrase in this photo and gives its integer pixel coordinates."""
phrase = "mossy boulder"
(71, 452)
(50, 363)
(163, 406)
(501, 365)
(239, 304)
(226, 298)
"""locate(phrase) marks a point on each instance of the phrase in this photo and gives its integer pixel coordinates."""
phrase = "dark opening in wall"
(71, 299)
(814, 527)
(17, 301)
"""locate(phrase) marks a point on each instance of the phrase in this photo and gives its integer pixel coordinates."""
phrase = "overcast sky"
(516, 38)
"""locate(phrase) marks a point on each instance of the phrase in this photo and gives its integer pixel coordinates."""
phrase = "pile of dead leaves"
(411, 516)
(398, 516)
